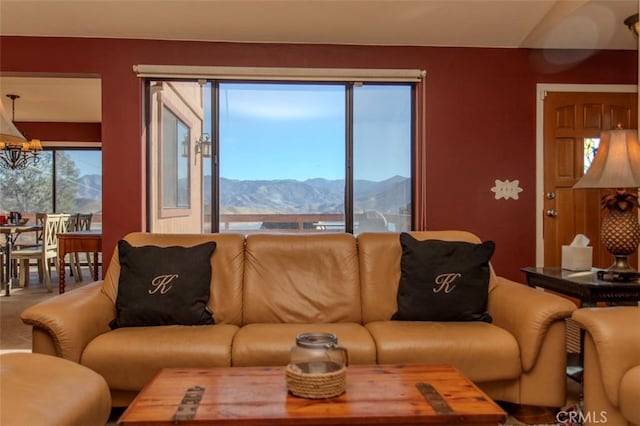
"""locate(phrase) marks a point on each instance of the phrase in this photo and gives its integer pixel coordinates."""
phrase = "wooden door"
(175, 181)
(570, 119)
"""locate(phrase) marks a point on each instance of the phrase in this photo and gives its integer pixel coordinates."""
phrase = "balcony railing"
(312, 222)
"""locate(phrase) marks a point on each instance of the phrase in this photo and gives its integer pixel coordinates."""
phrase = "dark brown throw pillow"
(443, 280)
(163, 285)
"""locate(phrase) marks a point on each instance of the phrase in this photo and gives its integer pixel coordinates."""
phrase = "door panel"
(175, 166)
(569, 118)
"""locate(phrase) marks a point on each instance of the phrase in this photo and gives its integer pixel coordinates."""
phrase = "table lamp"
(617, 165)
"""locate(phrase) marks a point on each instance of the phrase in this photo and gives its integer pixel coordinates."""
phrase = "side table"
(584, 286)
(587, 288)
(78, 241)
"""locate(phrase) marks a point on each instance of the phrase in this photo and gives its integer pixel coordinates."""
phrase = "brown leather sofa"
(611, 364)
(267, 288)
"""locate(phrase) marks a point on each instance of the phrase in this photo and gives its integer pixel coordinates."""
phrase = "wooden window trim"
(169, 212)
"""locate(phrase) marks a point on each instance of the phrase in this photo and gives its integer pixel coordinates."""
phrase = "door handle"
(551, 213)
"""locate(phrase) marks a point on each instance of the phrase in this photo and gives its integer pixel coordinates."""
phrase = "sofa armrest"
(72, 319)
(616, 334)
(527, 314)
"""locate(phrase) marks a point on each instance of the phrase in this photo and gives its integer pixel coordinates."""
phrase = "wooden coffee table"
(376, 395)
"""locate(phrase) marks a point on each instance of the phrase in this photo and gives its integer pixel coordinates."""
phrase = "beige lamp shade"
(617, 162)
(9, 134)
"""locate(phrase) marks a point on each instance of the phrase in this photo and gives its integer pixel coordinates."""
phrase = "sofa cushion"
(482, 351)
(304, 279)
(129, 357)
(443, 280)
(270, 344)
(379, 257)
(630, 395)
(227, 266)
(163, 285)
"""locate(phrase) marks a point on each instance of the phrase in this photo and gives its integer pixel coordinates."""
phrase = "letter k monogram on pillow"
(162, 283)
(444, 282)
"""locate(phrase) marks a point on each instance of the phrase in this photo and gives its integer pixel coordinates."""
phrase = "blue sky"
(88, 162)
(293, 131)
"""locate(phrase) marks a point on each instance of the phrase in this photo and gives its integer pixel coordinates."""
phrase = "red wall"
(67, 132)
(480, 116)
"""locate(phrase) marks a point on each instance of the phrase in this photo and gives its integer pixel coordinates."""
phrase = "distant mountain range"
(315, 195)
(89, 195)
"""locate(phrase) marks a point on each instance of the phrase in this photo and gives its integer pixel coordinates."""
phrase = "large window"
(382, 123)
(65, 180)
(282, 156)
(315, 157)
(293, 156)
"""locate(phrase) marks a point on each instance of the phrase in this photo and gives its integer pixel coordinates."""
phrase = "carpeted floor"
(16, 336)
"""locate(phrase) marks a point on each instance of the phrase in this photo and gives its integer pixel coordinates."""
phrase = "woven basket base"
(316, 386)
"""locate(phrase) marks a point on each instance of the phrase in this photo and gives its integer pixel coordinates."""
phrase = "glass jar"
(318, 353)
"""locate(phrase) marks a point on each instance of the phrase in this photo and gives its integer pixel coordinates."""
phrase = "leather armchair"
(611, 364)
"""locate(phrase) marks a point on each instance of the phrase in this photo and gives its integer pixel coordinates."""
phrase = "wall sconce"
(203, 145)
(186, 145)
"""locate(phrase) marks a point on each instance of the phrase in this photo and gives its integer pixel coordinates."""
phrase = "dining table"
(78, 241)
(11, 232)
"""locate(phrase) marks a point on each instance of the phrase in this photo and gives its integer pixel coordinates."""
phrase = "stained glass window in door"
(590, 149)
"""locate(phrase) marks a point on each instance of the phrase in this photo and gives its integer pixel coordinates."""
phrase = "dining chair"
(40, 221)
(24, 241)
(82, 223)
(68, 223)
(44, 254)
(27, 241)
(2, 266)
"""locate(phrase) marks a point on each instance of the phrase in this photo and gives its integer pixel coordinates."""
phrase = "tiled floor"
(16, 336)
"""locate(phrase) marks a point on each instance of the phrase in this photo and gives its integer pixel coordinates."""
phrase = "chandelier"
(632, 23)
(16, 152)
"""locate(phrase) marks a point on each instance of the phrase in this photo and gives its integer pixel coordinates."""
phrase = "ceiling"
(75, 100)
(581, 24)
(545, 24)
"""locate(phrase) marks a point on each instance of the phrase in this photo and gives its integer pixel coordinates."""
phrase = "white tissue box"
(577, 258)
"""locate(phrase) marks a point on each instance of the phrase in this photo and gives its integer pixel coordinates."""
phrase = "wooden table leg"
(95, 266)
(61, 275)
(7, 266)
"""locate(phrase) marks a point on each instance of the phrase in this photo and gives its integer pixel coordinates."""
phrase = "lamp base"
(628, 277)
(620, 271)
(620, 265)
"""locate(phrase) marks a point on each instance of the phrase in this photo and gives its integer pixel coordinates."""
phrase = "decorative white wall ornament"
(507, 189)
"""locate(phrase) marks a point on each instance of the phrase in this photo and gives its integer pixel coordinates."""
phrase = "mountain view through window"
(284, 156)
(290, 156)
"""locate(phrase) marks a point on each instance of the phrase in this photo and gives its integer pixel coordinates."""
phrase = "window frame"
(215, 74)
(349, 218)
(178, 211)
(52, 148)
